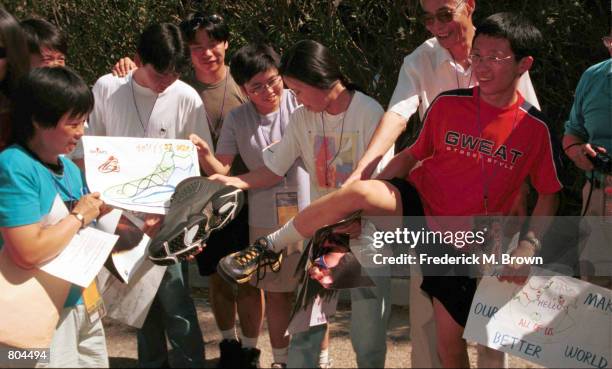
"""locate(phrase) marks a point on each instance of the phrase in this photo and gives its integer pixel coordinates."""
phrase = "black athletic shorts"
(455, 291)
(233, 237)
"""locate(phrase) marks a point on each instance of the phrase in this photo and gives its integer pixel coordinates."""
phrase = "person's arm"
(278, 159)
(541, 218)
(211, 164)
(576, 138)
(404, 102)
(389, 129)
(259, 178)
(578, 151)
(399, 166)
(33, 244)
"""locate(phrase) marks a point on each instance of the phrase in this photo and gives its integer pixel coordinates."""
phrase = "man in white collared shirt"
(439, 64)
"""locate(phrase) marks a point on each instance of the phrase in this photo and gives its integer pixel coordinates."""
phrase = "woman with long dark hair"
(14, 63)
(329, 133)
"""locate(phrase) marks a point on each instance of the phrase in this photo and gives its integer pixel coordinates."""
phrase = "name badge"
(93, 302)
(286, 206)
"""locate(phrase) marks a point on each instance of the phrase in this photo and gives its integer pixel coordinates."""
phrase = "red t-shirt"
(469, 148)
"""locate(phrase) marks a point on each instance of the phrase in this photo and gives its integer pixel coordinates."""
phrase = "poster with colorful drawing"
(138, 174)
(552, 320)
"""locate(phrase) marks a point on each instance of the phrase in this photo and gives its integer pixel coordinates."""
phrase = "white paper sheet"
(84, 256)
(316, 313)
(555, 321)
(138, 174)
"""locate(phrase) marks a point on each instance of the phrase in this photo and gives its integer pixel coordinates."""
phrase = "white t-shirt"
(126, 109)
(430, 70)
(245, 132)
(329, 145)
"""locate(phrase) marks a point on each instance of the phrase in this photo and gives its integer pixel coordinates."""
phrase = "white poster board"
(130, 303)
(138, 174)
(555, 321)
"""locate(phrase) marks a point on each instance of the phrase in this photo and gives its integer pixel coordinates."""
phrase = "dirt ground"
(121, 340)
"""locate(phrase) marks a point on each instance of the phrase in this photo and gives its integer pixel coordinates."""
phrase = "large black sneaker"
(197, 208)
(249, 357)
(230, 354)
(240, 266)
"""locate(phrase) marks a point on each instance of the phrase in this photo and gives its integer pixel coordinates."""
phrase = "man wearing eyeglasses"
(439, 64)
(588, 132)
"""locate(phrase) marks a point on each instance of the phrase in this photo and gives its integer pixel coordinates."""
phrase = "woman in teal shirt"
(50, 108)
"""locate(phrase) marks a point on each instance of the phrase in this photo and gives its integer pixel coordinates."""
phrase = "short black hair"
(44, 96)
(252, 59)
(213, 24)
(312, 63)
(524, 38)
(41, 33)
(162, 46)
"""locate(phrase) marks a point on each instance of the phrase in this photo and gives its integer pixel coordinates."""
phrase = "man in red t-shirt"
(476, 148)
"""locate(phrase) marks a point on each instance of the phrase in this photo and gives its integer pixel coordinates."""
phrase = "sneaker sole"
(182, 244)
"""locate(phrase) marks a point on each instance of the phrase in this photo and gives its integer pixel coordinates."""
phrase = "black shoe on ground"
(230, 354)
(249, 357)
(197, 208)
(240, 266)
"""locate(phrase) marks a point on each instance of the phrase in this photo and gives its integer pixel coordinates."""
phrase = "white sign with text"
(555, 321)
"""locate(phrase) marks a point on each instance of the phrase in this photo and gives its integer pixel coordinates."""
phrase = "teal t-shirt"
(28, 189)
(591, 115)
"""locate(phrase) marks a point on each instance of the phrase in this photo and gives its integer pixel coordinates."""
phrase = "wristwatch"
(537, 246)
(80, 217)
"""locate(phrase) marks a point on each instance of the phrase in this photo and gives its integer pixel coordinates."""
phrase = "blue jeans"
(172, 314)
(370, 311)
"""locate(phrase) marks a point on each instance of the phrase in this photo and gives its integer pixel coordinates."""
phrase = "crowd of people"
(311, 148)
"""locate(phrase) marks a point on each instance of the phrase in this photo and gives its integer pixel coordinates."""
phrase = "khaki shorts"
(284, 280)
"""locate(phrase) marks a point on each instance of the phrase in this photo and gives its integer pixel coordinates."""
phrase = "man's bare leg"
(373, 197)
(451, 346)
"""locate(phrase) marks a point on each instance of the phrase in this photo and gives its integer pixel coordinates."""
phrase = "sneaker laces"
(268, 258)
(264, 258)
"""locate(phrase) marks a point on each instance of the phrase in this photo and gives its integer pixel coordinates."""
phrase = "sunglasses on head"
(198, 20)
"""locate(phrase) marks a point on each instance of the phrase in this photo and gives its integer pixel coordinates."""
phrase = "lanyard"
(215, 127)
(486, 181)
(328, 163)
(60, 185)
(144, 128)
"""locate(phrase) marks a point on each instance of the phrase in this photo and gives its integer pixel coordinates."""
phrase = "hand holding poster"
(138, 174)
(555, 321)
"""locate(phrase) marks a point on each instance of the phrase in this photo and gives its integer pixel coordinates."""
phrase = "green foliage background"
(369, 37)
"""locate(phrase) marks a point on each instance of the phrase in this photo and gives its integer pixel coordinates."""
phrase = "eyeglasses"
(488, 59)
(2, 52)
(272, 83)
(443, 16)
(607, 41)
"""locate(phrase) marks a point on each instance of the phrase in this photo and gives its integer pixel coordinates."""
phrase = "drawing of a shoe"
(110, 165)
(154, 187)
(198, 207)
